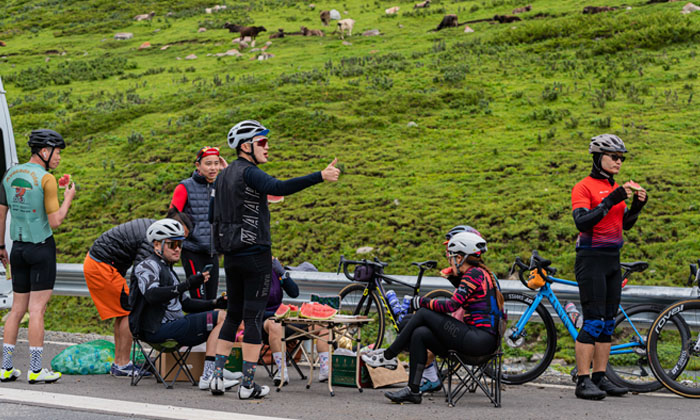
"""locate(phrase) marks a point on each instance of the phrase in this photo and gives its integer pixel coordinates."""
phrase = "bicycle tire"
(350, 296)
(660, 341)
(632, 370)
(438, 293)
(515, 370)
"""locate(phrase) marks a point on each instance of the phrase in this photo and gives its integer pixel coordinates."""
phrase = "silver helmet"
(606, 143)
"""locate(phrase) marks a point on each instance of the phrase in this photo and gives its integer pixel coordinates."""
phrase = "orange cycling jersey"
(607, 233)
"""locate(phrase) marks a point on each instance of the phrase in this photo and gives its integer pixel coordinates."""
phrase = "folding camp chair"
(151, 364)
(471, 373)
(290, 358)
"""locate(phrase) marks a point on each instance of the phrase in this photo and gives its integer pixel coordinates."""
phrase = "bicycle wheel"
(675, 359)
(353, 302)
(631, 369)
(527, 355)
(438, 293)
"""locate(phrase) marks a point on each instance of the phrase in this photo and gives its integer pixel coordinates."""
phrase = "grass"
(503, 118)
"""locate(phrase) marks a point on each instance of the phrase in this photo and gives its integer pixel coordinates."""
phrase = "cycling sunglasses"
(174, 244)
(261, 142)
(616, 157)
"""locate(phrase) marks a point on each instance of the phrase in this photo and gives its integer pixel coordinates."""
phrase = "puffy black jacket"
(197, 208)
(123, 245)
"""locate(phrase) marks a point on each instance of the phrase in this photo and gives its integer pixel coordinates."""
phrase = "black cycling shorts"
(33, 266)
(599, 280)
(191, 330)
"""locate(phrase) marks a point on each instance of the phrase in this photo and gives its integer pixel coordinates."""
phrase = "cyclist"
(272, 331)
(31, 194)
(159, 299)
(600, 214)
(241, 221)
(104, 268)
(431, 328)
(191, 197)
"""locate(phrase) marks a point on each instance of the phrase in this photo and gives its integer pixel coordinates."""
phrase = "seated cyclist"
(160, 299)
(431, 328)
(272, 331)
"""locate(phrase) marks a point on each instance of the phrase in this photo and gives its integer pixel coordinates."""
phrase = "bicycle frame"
(547, 292)
(377, 285)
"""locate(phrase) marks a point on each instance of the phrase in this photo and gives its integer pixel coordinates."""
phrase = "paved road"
(115, 398)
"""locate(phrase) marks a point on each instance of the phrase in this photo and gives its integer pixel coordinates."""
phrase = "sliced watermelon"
(287, 311)
(635, 186)
(275, 198)
(64, 181)
(315, 310)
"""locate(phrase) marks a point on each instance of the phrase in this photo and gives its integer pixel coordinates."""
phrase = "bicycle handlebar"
(536, 263)
(343, 265)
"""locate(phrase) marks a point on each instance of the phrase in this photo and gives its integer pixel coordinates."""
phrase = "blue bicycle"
(530, 341)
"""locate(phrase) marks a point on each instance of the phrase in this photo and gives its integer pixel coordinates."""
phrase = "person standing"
(191, 197)
(30, 193)
(600, 214)
(241, 232)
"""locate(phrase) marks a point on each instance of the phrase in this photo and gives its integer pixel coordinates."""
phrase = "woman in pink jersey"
(600, 214)
(432, 328)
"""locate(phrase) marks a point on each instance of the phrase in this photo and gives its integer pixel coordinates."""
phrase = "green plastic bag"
(91, 358)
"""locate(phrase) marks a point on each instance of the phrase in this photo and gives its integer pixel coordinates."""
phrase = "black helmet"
(46, 138)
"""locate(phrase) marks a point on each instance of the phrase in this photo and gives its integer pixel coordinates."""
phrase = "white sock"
(323, 361)
(278, 359)
(7, 351)
(430, 373)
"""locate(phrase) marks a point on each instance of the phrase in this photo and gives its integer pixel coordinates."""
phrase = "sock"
(219, 364)
(248, 373)
(581, 378)
(35, 358)
(209, 365)
(323, 361)
(277, 356)
(430, 373)
(597, 377)
(7, 352)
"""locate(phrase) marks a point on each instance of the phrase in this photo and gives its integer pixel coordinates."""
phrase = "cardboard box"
(195, 362)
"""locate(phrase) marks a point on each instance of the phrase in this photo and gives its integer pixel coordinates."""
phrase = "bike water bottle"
(393, 301)
(406, 306)
(574, 314)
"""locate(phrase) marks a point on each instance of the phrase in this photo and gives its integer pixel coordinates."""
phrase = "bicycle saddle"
(635, 267)
(427, 264)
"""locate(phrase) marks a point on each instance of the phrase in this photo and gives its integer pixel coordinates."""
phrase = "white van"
(8, 158)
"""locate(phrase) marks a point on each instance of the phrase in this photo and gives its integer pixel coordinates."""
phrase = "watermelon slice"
(447, 272)
(287, 311)
(275, 198)
(635, 186)
(315, 310)
(64, 181)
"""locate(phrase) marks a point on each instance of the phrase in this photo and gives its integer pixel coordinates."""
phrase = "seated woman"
(431, 328)
(272, 331)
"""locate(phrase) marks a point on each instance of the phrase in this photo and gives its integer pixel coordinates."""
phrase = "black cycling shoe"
(404, 395)
(611, 389)
(587, 390)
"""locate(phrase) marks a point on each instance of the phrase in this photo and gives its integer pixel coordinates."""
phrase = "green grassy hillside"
(503, 114)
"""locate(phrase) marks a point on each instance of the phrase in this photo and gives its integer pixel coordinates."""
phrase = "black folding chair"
(290, 358)
(151, 364)
(471, 373)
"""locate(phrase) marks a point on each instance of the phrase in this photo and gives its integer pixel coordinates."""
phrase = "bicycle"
(674, 358)
(628, 365)
(370, 297)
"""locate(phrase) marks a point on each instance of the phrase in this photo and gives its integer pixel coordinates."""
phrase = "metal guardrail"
(70, 282)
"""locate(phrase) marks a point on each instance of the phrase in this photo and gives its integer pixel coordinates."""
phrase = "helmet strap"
(252, 152)
(46, 161)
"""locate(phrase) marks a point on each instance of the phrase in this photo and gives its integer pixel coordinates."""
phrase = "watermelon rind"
(282, 311)
(317, 311)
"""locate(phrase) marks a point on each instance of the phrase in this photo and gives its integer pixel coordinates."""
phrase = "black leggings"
(33, 266)
(194, 262)
(247, 286)
(600, 285)
(437, 332)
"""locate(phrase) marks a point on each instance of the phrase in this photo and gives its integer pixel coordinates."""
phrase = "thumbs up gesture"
(331, 173)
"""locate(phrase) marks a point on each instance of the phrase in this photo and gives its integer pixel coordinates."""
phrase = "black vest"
(197, 208)
(241, 216)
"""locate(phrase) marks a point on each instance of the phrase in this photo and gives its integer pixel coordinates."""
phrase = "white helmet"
(165, 229)
(467, 243)
(606, 143)
(244, 132)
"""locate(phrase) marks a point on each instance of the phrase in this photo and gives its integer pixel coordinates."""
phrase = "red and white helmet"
(466, 243)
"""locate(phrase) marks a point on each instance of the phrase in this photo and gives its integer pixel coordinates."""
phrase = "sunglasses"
(174, 244)
(261, 142)
(616, 157)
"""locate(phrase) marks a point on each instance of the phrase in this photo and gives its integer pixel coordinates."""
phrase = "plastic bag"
(91, 358)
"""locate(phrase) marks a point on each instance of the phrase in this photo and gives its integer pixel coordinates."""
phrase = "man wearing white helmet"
(159, 299)
(241, 231)
(432, 328)
(600, 214)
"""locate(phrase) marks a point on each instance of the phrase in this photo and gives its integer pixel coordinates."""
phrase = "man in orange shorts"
(105, 267)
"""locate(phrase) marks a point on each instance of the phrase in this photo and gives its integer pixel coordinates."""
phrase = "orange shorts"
(105, 285)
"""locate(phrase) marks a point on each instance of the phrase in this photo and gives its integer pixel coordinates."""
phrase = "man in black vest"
(242, 233)
(191, 197)
(159, 300)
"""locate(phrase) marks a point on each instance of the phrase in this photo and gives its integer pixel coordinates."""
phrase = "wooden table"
(338, 326)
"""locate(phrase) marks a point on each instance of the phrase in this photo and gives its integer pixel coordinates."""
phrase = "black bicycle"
(367, 296)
